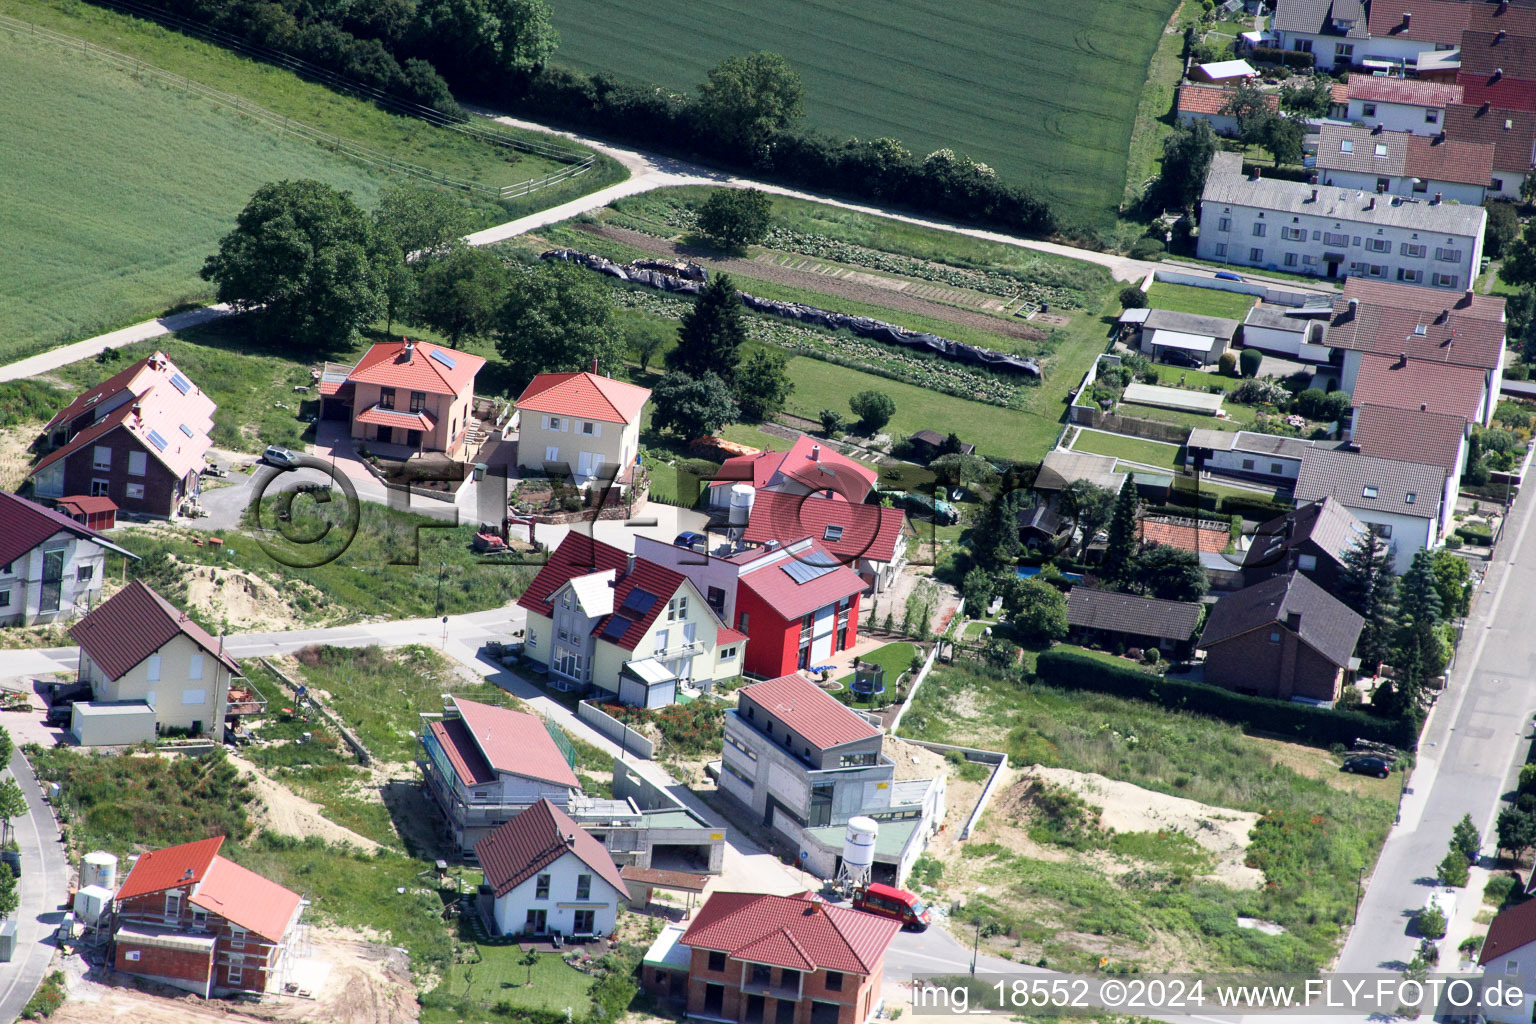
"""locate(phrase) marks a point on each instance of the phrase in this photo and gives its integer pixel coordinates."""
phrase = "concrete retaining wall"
(1269, 293)
(615, 730)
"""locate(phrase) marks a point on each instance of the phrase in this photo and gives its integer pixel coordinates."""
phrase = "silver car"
(282, 458)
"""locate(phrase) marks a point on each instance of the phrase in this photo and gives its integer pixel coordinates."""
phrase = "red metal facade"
(773, 647)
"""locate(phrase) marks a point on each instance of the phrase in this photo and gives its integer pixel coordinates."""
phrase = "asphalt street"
(43, 887)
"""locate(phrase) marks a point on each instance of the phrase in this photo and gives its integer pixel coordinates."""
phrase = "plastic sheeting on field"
(688, 278)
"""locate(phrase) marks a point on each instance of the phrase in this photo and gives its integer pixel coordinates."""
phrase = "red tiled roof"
(1518, 19)
(1440, 159)
(535, 839)
(387, 364)
(171, 425)
(1388, 381)
(584, 395)
(798, 932)
(727, 635)
(1514, 94)
(770, 578)
(1484, 54)
(25, 524)
(134, 623)
(1408, 91)
(420, 420)
(579, 555)
(459, 746)
(137, 379)
(1432, 438)
(1208, 537)
(1210, 99)
(1338, 93)
(810, 711)
(241, 896)
(808, 462)
(170, 868)
(87, 504)
(1433, 21)
(1512, 928)
(1425, 300)
(515, 742)
(862, 531)
(1448, 337)
(1467, 122)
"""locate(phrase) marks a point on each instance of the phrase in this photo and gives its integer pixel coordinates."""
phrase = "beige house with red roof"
(580, 424)
(754, 958)
(150, 669)
(803, 763)
(1400, 104)
(603, 619)
(189, 918)
(139, 438)
(1208, 102)
(548, 875)
(410, 393)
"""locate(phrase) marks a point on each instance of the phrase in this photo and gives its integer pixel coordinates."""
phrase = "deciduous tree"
(461, 293)
(1089, 506)
(556, 318)
(692, 407)
(735, 217)
(13, 804)
(873, 408)
(749, 97)
(1037, 610)
(763, 384)
(1465, 838)
(309, 258)
(422, 220)
(1187, 156)
(1161, 570)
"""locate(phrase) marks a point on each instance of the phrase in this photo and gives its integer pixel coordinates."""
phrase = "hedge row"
(1290, 58)
(1318, 726)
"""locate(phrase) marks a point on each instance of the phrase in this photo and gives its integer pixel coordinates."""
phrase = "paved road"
(43, 888)
(55, 358)
(1470, 754)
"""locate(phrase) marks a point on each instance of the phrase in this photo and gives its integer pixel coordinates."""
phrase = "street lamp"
(440, 572)
(1359, 885)
(976, 945)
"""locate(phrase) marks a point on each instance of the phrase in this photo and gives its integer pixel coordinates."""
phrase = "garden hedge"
(1318, 726)
(1234, 504)
(1290, 58)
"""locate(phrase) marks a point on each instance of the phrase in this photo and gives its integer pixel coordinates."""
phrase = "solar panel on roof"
(186, 430)
(156, 440)
(441, 357)
(803, 572)
(637, 603)
(616, 628)
(180, 383)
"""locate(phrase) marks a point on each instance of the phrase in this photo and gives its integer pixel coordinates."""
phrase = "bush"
(1132, 297)
(1289, 58)
(1250, 360)
(873, 408)
(832, 422)
(1475, 533)
(1500, 890)
(1256, 508)
(1318, 726)
(1148, 249)
(1227, 364)
(1431, 923)
(1453, 869)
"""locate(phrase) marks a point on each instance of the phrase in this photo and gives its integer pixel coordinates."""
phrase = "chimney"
(1437, 200)
(1378, 129)
(1293, 621)
(1503, 6)
(1354, 308)
(1423, 407)
(1498, 37)
(629, 563)
(570, 839)
(407, 350)
(815, 453)
(1253, 175)
(1372, 204)
(1498, 73)
(594, 366)
(1445, 314)
(1466, 299)
(1407, 19)
(1402, 359)
(138, 410)
(1314, 196)
(1483, 107)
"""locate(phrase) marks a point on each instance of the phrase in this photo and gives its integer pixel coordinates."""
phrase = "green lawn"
(983, 80)
(895, 658)
(1320, 830)
(1134, 449)
(120, 187)
(1185, 298)
(499, 977)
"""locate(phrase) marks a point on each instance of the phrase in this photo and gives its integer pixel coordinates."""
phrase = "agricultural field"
(1046, 93)
(121, 186)
(1253, 830)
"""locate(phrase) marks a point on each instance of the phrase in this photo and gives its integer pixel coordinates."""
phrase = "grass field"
(1183, 298)
(121, 187)
(1046, 93)
(499, 976)
(1134, 449)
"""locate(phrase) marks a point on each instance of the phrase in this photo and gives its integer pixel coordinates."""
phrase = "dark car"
(61, 701)
(1227, 275)
(1368, 764)
(1173, 357)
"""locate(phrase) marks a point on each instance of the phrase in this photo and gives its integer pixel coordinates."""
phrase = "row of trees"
(1407, 619)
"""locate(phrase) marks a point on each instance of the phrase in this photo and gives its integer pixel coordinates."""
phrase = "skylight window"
(833, 532)
(157, 440)
(186, 430)
(438, 354)
(1368, 492)
(1346, 145)
(1410, 498)
(1381, 149)
(180, 383)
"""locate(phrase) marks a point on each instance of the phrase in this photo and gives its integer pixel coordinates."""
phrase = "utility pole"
(1359, 889)
(440, 571)
(976, 945)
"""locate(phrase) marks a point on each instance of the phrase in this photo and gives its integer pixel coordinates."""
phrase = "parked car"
(1173, 357)
(1227, 275)
(282, 458)
(889, 901)
(61, 701)
(1367, 764)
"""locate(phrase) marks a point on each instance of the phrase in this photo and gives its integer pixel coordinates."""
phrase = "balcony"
(245, 702)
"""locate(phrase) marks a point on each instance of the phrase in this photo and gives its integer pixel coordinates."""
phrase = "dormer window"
(832, 532)
(1410, 497)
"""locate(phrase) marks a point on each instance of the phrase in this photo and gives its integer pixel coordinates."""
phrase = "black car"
(1368, 764)
(1173, 357)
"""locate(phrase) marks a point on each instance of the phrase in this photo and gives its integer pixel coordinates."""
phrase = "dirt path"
(846, 288)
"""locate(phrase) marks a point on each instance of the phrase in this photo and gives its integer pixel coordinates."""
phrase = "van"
(889, 901)
(282, 458)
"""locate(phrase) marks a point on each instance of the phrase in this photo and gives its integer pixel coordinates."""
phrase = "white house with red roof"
(150, 668)
(803, 764)
(548, 875)
(139, 438)
(486, 764)
(754, 957)
(189, 918)
(413, 394)
(580, 424)
(809, 467)
(632, 629)
(51, 566)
